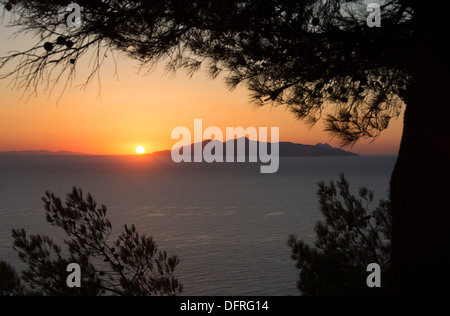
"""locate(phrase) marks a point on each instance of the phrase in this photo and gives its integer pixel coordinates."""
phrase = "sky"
(118, 113)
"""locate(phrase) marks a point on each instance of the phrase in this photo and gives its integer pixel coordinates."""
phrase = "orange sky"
(143, 110)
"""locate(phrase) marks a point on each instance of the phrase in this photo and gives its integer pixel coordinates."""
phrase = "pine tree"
(132, 265)
(351, 237)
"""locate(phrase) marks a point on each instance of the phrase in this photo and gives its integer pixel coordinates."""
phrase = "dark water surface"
(227, 223)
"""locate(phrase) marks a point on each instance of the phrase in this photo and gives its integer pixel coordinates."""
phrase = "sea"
(227, 223)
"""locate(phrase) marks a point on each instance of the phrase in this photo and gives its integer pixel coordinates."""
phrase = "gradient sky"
(143, 110)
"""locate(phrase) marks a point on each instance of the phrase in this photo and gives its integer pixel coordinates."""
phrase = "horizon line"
(77, 153)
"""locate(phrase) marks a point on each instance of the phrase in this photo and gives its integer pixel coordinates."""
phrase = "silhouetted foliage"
(351, 237)
(10, 283)
(130, 266)
(303, 54)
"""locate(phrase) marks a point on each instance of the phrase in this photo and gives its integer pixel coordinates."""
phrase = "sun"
(140, 150)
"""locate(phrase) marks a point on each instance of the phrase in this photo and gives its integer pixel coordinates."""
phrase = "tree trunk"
(420, 182)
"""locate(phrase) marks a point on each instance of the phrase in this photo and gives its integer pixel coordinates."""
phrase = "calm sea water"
(227, 223)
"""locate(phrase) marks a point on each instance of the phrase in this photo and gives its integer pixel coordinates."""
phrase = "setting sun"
(140, 150)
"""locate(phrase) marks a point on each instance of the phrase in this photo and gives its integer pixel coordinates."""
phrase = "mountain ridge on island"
(286, 149)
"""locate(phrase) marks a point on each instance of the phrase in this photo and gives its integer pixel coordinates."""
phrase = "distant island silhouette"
(42, 153)
(287, 149)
